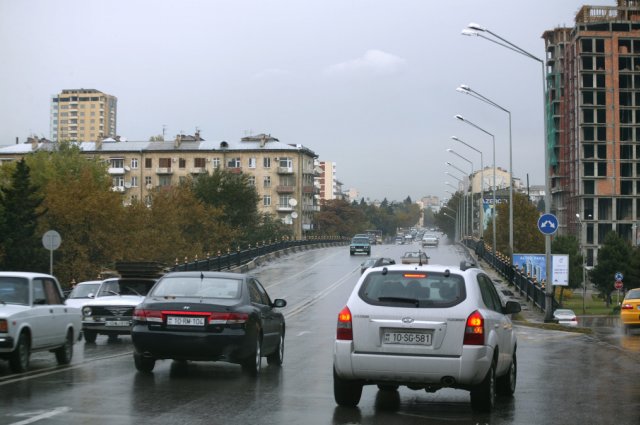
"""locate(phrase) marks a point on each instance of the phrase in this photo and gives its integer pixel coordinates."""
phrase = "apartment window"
(266, 200)
(134, 163)
(117, 162)
(148, 163)
(199, 162)
(164, 181)
(215, 162)
(164, 163)
(234, 163)
(134, 181)
(252, 163)
(147, 180)
(93, 114)
(589, 187)
(117, 181)
(626, 169)
(287, 181)
(588, 208)
(182, 163)
(285, 163)
(267, 181)
(266, 162)
(283, 201)
(252, 180)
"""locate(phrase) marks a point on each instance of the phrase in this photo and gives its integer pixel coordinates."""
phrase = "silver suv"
(425, 327)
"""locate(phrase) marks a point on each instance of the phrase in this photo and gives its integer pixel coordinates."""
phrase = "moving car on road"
(565, 316)
(82, 293)
(376, 262)
(360, 245)
(415, 257)
(430, 240)
(630, 309)
(33, 317)
(425, 327)
(209, 316)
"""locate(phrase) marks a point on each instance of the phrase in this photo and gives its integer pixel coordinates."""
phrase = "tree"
(526, 236)
(338, 217)
(614, 256)
(20, 204)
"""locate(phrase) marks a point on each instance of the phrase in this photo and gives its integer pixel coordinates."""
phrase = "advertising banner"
(535, 267)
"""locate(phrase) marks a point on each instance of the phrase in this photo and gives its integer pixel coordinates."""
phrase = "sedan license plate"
(185, 321)
(117, 323)
(407, 338)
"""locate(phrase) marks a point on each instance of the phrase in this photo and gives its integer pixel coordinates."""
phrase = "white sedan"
(565, 316)
(425, 327)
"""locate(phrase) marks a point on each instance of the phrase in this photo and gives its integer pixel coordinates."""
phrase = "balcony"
(116, 171)
(308, 189)
(234, 170)
(198, 170)
(311, 208)
(284, 208)
(164, 170)
(285, 170)
(117, 188)
(285, 189)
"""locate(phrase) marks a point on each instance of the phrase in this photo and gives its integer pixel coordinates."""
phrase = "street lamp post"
(474, 29)
(458, 216)
(493, 212)
(481, 215)
(473, 227)
(467, 90)
(463, 221)
(584, 259)
(466, 203)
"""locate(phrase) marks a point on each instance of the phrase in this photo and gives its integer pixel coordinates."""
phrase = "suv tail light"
(345, 330)
(142, 315)
(474, 329)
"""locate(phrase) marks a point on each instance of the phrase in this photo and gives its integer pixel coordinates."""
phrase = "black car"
(376, 262)
(208, 316)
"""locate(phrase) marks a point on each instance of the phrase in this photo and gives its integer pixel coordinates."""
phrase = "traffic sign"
(618, 284)
(548, 224)
(51, 240)
(619, 276)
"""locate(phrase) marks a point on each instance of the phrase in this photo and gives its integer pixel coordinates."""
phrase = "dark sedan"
(376, 262)
(208, 316)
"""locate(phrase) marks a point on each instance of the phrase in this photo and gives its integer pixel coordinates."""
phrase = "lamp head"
(455, 138)
(469, 32)
(464, 88)
(460, 117)
(476, 27)
(449, 150)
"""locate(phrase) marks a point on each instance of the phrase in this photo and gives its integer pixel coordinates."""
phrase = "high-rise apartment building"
(83, 115)
(593, 122)
(330, 188)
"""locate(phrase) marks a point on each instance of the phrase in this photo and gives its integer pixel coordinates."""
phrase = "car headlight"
(86, 311)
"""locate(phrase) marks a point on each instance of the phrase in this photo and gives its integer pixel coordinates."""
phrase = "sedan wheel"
(65, 353)
(19, 359)
(253, 364)
(483, 396)
(90, 336)
(506, 385)
(276, 358)
(347, 393)
(144, 364)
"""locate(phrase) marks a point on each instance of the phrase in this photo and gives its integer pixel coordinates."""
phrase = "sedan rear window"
(205, 287)
(633, 294)
(411, 288)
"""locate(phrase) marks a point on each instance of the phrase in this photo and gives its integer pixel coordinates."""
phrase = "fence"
(240, 257)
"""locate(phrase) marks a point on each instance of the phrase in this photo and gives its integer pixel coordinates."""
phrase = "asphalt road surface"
(563, 378)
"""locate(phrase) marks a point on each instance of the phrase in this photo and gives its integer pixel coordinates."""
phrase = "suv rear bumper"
(469, 368)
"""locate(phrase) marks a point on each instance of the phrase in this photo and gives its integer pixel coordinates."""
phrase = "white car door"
(41, 316)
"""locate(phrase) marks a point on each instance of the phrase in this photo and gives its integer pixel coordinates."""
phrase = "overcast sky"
(368, 84)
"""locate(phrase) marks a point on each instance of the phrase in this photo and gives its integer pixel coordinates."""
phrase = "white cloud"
(373, 62)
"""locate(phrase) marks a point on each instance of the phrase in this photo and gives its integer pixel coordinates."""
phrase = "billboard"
(535, 266)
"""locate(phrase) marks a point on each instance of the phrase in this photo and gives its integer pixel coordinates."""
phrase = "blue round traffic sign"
(619, 276)
(548, 224)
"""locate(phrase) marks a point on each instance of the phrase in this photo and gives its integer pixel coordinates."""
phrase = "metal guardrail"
(533, 291)
(239, 257)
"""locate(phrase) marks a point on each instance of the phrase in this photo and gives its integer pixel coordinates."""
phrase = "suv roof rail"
(465, 265)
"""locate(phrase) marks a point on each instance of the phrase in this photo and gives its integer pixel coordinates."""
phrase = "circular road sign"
(548, 224)
(619, 276)
(618, 284)
(51, 240)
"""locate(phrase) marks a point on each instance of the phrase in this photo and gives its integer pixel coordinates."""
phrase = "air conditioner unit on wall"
(174, 159)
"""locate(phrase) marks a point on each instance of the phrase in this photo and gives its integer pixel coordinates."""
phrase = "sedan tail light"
(626, 307)
(227, 318)
(345, 329)
(474, 329)
(142, 315)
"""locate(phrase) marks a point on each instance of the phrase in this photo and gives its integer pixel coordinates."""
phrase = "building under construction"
(593, 123)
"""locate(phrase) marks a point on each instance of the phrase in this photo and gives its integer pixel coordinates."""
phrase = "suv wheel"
(506, 385)
(143, 364)
(346, 392)
(483, 395)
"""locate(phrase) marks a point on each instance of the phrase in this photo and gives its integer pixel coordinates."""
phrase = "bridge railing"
(526, 286)
(231, 259)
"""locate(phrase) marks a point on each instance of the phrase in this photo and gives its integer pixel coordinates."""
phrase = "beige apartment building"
(283, 174)
(81, 115)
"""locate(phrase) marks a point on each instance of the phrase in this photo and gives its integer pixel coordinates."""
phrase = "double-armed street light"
(473, 227)
(463, 88)
(493, 210)
(474, 29)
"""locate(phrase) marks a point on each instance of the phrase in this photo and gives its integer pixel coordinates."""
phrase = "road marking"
(312, 300)
(40, 416)
(58, 369)
(305, 270)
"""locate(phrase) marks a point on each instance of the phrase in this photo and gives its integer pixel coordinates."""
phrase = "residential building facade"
(593, 121)
(82, 115)
(283, 174)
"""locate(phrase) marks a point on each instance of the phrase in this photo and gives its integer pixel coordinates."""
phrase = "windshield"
(196, 286)
(84, 290)
(360, 240)
(125, 287)
(420, 289)
(14, 290)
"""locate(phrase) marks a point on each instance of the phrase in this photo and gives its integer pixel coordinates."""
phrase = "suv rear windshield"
(413, 288)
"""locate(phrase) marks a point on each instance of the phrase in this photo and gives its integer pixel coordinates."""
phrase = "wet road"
(563, 378)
